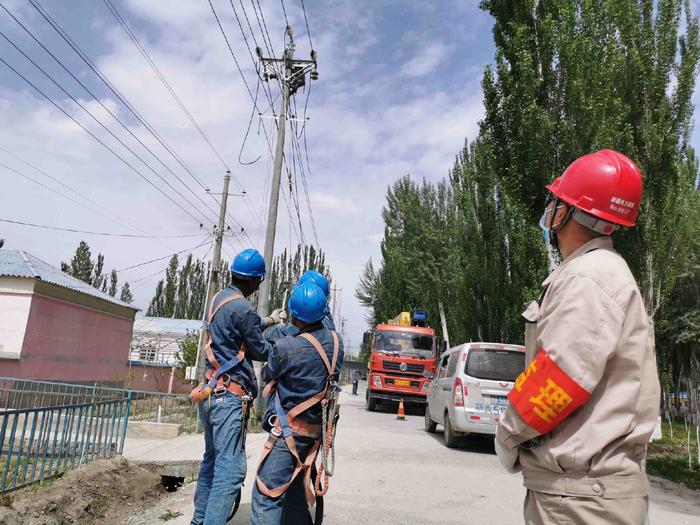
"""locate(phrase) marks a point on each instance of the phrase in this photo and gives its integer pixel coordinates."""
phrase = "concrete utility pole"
(292, 75)
(213, 282)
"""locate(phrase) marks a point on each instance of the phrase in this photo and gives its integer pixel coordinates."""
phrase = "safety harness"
(286, 426)
(218, 379)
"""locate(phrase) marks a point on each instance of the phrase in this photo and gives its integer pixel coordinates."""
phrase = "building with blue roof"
(56, 327)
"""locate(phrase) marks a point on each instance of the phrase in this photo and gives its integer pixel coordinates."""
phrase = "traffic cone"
(401, 415)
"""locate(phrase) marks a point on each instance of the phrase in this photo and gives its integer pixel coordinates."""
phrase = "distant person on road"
(235, 339)
(299, 370)
(581, 413)
(355, 381)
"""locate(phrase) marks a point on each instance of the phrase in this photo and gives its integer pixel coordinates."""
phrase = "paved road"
(393, 472)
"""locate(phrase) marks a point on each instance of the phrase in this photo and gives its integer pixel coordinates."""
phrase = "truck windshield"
(498, 365)
(405, 343)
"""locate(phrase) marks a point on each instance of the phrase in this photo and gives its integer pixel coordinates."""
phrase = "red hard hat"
(605, 184)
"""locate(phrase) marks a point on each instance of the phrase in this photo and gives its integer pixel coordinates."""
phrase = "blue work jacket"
(299, 371)
(238, 323)
(280, 331)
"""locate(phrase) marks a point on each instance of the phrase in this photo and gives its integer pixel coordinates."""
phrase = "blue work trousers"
(223, 467)
(290, 508)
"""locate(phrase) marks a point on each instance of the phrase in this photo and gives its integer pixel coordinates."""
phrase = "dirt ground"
(106, 491)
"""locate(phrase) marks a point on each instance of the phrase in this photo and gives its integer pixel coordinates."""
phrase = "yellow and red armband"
(544, 395)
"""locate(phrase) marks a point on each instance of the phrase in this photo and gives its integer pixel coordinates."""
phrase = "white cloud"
(427, 59)
(328, 204)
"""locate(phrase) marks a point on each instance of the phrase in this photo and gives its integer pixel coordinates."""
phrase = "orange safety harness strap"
(216, 381)
(290, 426)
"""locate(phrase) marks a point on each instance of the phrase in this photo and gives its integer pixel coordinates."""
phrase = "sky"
(398, 93)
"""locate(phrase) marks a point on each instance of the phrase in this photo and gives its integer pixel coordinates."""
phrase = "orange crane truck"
(403, 357)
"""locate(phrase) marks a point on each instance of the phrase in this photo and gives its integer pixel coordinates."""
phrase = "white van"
(468, 393)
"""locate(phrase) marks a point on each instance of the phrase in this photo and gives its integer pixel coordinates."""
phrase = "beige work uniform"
(588, 467)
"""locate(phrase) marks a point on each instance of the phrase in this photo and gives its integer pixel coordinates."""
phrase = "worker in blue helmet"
(233, 339)
(320, 280)
(279, 331)
(301, 371)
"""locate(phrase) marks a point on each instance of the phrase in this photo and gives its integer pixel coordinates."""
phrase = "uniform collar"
(598, 243)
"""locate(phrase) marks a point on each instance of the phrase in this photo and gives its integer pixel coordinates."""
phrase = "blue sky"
(399, 91)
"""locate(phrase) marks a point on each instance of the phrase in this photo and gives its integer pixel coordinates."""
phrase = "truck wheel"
(430, 425)
(450, 437)
(371, 402)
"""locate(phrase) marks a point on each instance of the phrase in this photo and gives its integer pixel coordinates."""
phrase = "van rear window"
(498, 365)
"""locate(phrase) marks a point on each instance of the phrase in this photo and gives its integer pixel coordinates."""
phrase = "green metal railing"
(155, 407)
(41, 443)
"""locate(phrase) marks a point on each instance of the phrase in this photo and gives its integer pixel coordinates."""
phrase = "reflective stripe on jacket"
(591, 389)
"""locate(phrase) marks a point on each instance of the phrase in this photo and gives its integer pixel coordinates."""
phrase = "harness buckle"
(220, 391)
(225, 379)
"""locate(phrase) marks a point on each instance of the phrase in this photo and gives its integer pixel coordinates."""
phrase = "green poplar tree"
(113, 283)
(126, 294)
(81, 264)
(170, 288)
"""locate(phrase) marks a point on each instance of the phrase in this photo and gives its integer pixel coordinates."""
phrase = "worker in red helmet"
(581, 414)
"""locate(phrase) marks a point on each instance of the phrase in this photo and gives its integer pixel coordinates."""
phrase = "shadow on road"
(477, 443)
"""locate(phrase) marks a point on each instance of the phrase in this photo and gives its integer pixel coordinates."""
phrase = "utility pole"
(292, 75)
(213, 282)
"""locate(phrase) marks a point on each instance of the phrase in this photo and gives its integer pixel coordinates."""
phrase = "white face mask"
(544, 219)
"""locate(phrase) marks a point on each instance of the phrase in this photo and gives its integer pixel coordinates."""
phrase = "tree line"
(82, 266)
(182, 292)
(569, 77)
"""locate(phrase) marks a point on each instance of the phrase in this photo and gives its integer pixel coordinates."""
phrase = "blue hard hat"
(248, 263)
(317, 278)
(307, 302)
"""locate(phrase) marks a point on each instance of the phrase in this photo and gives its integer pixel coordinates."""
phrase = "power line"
(157, 71)
(97, 139)
(308, 31)
(98, 121)
(134, 39)
(164, 257)
(144, 279)
(73, 190)
(52, 190)
(74, 46)
(106, 234)
(284, 10)
(126, 128)
(304, 171)
(268, 47)
(240, 71)
(267, 91)
(83, 56)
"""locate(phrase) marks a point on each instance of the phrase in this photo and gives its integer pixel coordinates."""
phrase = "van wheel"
(450, 437)
(371, 402)
(430, 425)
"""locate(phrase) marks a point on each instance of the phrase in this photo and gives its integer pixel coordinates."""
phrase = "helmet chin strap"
(554, 230)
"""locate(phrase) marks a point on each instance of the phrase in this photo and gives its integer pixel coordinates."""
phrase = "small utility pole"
(213, 282)
(292, 75)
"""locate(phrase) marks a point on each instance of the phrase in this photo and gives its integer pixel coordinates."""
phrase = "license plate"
(402, 382)
(499, 400)
(490, 409)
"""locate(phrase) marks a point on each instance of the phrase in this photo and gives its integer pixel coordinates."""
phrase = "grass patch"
(668, 457)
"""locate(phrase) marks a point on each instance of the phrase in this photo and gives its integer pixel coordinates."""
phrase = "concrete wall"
(67, 341)
(15, 302)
